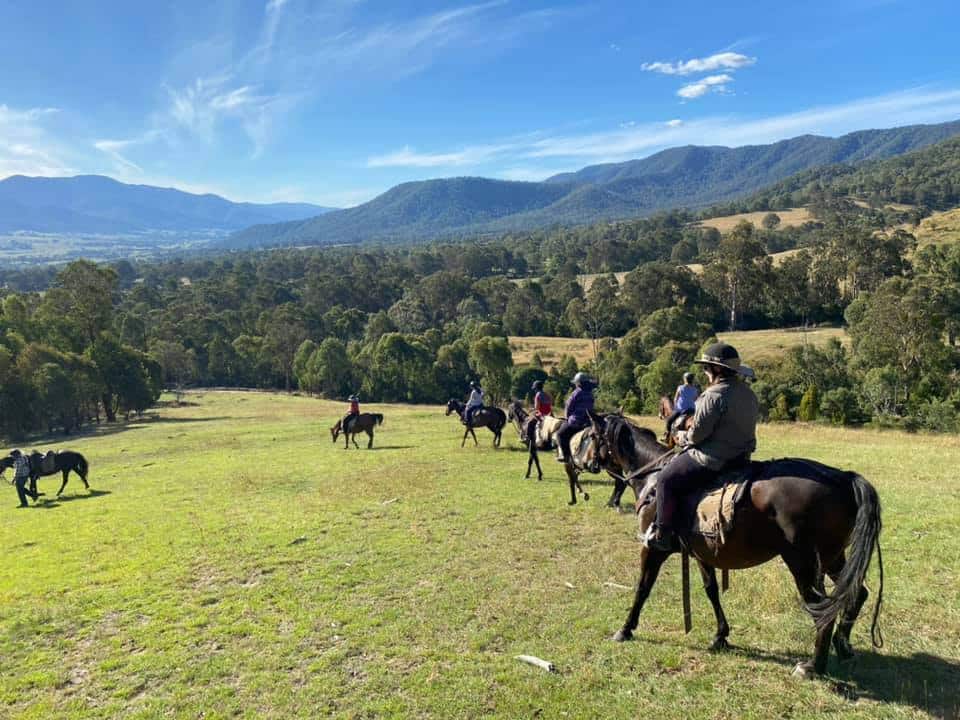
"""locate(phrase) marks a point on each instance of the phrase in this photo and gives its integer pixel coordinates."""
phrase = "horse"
(489, 417)
(41, 465)
(364, 422)
(664, 407)
(535, 433)
(818, 519)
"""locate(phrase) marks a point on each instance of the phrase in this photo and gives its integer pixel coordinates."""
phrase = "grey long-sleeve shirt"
(724, 424)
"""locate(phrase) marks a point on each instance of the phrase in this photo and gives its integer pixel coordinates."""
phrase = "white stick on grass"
(542, 664)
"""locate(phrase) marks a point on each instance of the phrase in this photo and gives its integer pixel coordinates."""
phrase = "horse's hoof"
(804, 671)
(571, 502)
(719, 644)
(586, 496)
(623, 635)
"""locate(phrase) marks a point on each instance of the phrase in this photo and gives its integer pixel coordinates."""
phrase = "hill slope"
(98, 204)
(679, 177)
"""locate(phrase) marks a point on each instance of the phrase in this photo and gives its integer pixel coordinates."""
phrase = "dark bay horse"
(364, 422)
(664, 407)
(536, 434)
(63, 462)
(492, 418)
(819, 519)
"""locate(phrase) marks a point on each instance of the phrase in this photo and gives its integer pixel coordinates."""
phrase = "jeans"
(681, 475)
(21, 483)
(565, 434)
(469, 413)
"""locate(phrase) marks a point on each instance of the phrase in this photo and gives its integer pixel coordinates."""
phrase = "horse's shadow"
(391, 447)
(48, 503)
(926, 682)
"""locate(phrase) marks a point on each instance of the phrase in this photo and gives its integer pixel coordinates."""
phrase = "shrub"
(809, 405)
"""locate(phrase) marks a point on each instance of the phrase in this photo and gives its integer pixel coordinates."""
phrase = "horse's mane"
(636, 445)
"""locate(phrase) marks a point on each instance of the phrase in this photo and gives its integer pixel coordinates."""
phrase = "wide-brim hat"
(721, 355)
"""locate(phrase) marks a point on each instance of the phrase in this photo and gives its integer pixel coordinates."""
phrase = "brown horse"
(809, 514)
(364, 422)
(664, 407)
(489, 417)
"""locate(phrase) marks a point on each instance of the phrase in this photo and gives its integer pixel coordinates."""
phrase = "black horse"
(809, 514)
(489, 417)
(64, 462)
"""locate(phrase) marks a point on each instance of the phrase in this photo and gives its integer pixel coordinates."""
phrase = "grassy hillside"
(233, 562)
(788, 218)
(550, 349)
(942, 227)
(756, 345)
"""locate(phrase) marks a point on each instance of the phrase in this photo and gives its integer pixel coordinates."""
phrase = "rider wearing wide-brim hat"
(577, 413)
(722, 433)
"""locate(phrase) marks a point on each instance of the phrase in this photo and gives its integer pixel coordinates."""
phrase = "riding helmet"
(722, 355)
(581, 378)
(537, 385)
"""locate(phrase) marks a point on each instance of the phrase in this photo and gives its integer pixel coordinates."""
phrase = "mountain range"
(688, 177)
(94, 204)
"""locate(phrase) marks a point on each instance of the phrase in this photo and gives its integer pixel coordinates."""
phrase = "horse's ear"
(620, 411)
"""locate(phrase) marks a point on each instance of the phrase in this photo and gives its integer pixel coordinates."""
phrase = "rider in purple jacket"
(577, 411)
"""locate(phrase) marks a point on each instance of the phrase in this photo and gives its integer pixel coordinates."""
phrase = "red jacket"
(542, 403)
(354, 407)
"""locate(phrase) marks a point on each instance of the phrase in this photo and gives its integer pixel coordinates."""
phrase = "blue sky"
(334, 101)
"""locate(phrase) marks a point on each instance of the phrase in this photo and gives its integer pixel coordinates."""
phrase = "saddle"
(710, 511)
(49, 462)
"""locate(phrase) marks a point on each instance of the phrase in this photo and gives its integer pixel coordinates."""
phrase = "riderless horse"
(819, 519)
(492, 418)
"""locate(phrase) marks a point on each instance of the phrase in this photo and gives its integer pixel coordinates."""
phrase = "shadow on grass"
(926, 682)
(49, 503)
(392, 447)
(113, 428)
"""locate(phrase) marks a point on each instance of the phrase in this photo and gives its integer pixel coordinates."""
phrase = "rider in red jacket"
(542, 402)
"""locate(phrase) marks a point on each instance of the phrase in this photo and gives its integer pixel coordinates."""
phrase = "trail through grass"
(233, 562)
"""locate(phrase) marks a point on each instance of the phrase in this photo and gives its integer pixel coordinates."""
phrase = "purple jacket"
(578, 406)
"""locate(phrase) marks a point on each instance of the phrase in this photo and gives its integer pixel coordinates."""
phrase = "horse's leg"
(476, 442)
(572, 477)
(65, 474)
(618, 487)
(530, 453)
(841, 638)
(709, 575)
(804, 567)
(370, 442)
(650, 563)
(84, 478)
(353, 438)
(536, 458)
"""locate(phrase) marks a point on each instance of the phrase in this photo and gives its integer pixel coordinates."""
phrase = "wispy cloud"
(26, 146)
(917, 105)
(719, 61)
(711, 83)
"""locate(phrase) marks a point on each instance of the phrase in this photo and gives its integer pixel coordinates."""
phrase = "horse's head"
(598, 450)
(515, 411)
(451, 406)
(6, 463)
(335, 431)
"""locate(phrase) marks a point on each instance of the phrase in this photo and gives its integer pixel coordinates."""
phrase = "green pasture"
(232, 562)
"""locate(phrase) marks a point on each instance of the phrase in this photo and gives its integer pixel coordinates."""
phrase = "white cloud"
(26, 146)
(719, 61)
(920, 105)
(715, 83)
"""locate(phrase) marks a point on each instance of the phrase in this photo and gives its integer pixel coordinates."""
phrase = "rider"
(21, 473)
(684, 399)
(352, 413)
(542, 402)
(723, 433)
(577, 410)
(474, 402)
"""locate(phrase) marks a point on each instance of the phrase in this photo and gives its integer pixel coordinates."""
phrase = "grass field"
(550, 349)
(788, 218)
(232, 562)
(941, 227)
(756, 345)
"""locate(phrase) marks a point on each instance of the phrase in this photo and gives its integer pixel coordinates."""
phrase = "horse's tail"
(865, 535)
(378, 417)
(83, 467)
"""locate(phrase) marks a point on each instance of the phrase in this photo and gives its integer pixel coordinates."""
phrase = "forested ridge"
(413, 323)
